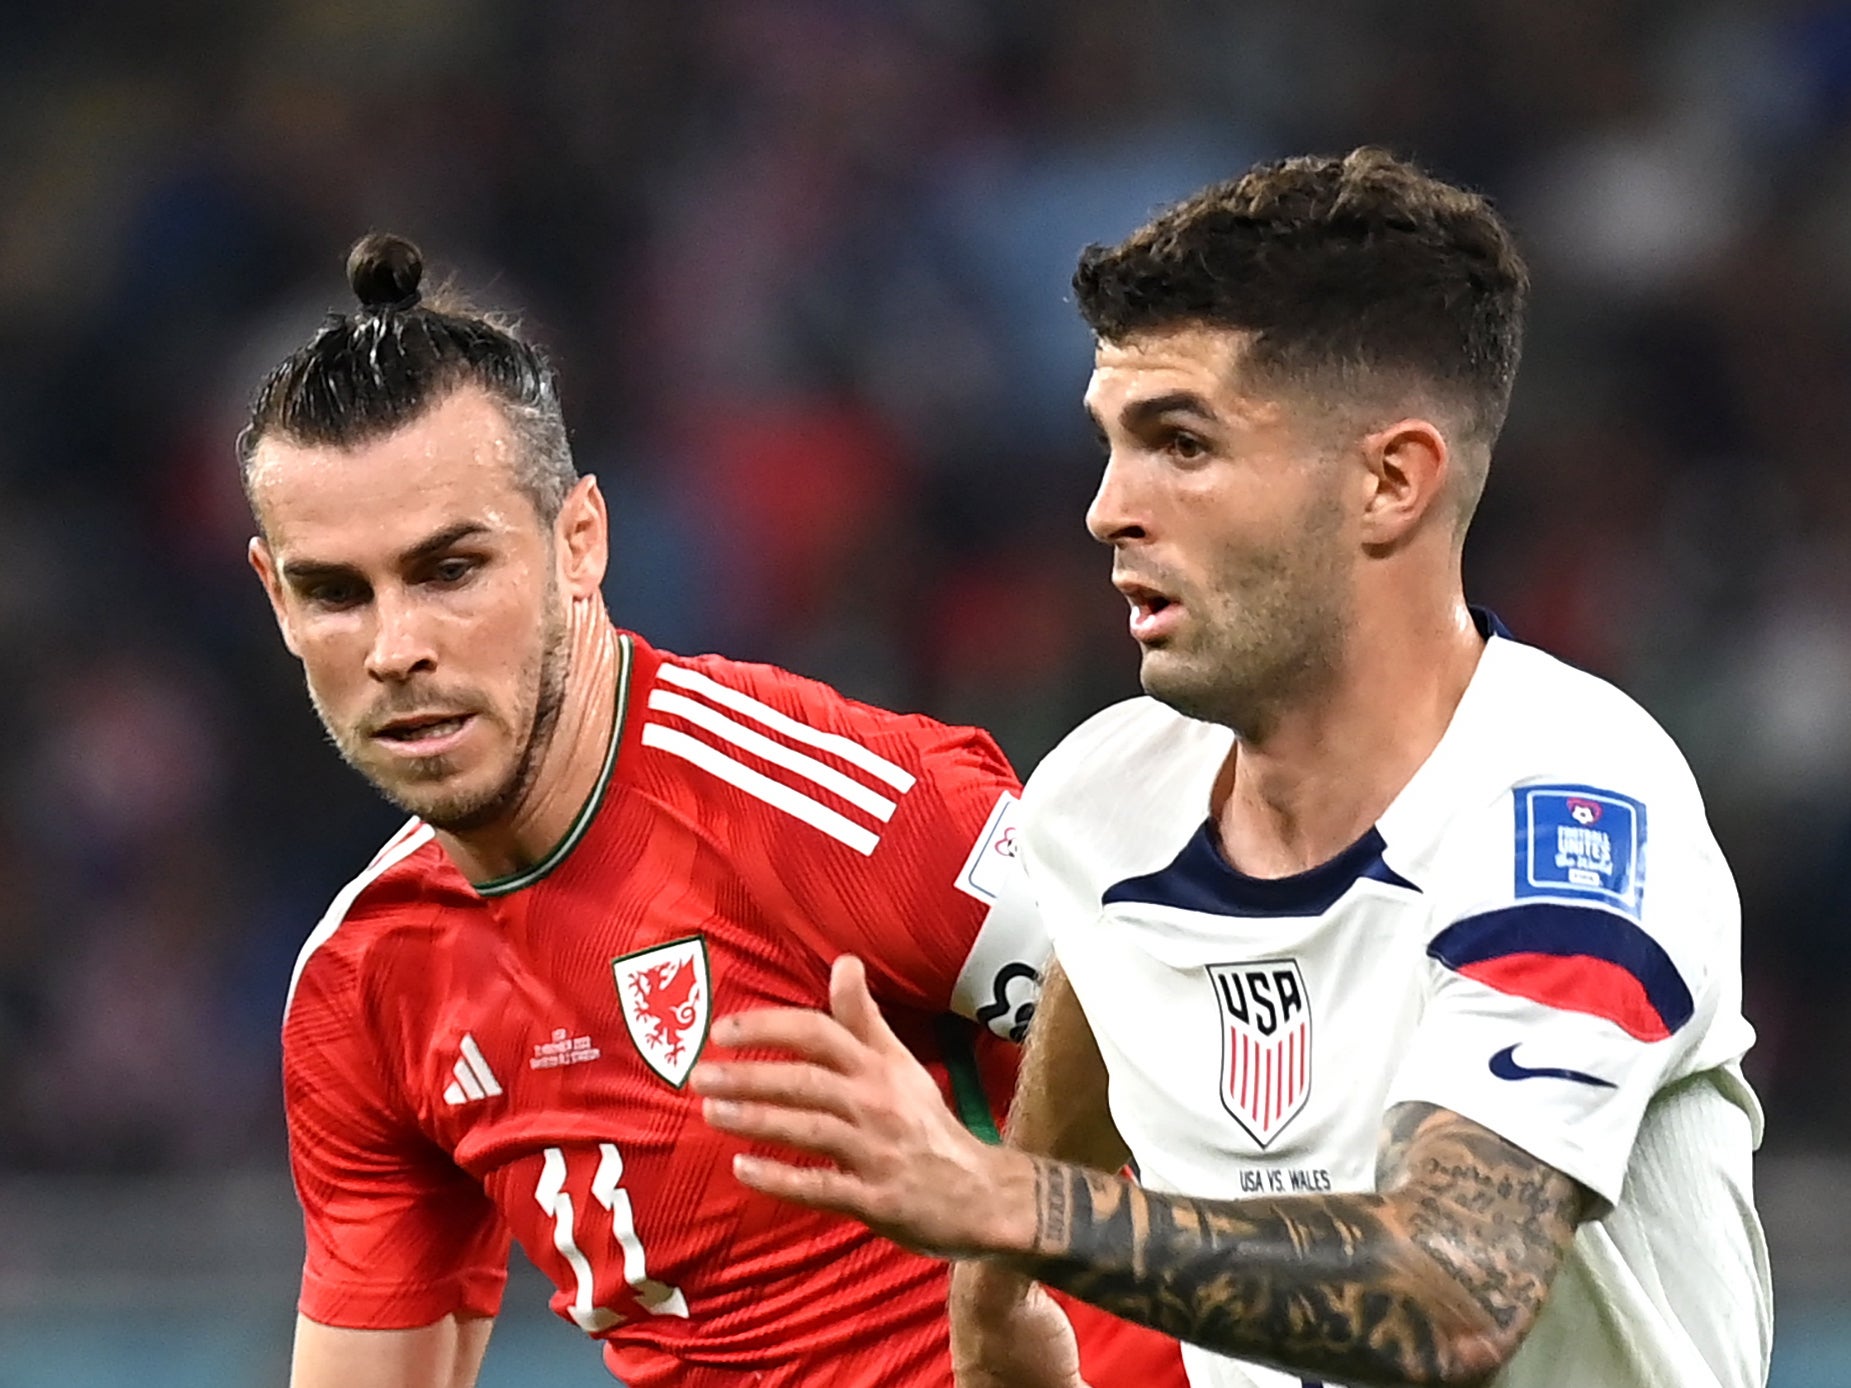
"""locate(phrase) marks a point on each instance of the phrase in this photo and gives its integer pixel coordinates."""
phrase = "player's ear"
(582, 535)
(264, 563)
(1409, 462)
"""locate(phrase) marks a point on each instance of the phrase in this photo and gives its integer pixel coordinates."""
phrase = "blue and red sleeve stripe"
(1576, 958)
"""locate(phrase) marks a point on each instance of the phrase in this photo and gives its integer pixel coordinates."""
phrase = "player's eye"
(335, 594)
(453, 570)
(1186, 447)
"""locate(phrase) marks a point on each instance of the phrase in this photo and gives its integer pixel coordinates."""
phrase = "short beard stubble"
(459, 813)
(1275, 637)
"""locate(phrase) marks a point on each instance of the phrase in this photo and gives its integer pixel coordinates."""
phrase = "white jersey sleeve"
(1583, 960)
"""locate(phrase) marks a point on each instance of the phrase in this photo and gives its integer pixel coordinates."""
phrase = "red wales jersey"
(466, 1063)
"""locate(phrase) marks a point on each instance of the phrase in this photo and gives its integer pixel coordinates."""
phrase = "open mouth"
(423, 728)
(1145, 601)
(1153, 612)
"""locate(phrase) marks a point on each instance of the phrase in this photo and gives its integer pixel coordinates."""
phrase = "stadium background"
(803, 263)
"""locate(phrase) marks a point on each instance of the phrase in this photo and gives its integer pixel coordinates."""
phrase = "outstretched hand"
(852, 1093)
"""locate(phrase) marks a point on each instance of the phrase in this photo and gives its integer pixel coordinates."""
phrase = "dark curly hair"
(1353, 274)
(365, 375)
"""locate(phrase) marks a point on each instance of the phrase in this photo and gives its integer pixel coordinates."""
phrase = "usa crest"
(1265, 1043)
(667, 1004)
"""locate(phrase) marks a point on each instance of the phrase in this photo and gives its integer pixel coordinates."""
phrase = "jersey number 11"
(653, 1297)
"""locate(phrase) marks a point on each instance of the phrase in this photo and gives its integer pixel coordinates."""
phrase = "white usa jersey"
(1539, 934)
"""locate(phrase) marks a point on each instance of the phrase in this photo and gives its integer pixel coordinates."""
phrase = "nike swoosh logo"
(1504, 1066)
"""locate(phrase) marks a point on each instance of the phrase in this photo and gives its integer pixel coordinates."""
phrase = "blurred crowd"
(803, 264)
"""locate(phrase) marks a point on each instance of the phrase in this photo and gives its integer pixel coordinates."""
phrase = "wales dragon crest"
(667, 1004)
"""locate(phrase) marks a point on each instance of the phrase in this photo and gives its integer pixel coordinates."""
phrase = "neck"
(569, 767)
(1327, 769)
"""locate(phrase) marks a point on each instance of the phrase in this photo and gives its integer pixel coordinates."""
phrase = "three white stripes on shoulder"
(712, 727)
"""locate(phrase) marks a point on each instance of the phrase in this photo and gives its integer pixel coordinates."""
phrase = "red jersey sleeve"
(398, 1236)
(922, 908)
(886, 835)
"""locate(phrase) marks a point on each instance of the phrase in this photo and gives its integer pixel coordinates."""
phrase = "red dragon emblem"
(668, 997)
(664, 995)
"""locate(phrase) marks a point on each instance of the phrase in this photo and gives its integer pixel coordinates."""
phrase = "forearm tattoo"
(1433, 1279)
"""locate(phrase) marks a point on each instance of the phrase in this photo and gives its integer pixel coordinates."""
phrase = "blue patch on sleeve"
(1579, 842)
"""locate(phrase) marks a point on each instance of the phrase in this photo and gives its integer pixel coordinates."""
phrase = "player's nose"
(401, 645)
(1115, 515)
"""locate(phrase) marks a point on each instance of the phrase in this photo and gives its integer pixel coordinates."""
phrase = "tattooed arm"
(1434, 1280)
(1004, 1329)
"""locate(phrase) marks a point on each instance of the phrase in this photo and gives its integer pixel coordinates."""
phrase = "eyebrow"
(1144, 412)
(308, 570)
(1140, 414)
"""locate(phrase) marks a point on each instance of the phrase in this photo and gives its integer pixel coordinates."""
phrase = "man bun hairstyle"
(369, 373)
(385, 271)
(1357, 275)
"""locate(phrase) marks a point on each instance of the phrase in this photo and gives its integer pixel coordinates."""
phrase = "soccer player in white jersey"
(1397, 954)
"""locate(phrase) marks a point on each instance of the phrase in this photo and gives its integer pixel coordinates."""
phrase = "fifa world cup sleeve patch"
(992, 856)
(1580, 843)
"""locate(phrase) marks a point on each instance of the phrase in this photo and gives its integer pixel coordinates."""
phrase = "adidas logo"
(474, 1080)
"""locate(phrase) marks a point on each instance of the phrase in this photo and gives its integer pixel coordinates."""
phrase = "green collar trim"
(513, 882)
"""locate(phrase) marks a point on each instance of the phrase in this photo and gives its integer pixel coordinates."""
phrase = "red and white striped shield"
(1265, 1043)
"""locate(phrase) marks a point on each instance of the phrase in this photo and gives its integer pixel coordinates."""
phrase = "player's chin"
(1191, 687)
(1164, 669)
(457, 813)
(438, 790)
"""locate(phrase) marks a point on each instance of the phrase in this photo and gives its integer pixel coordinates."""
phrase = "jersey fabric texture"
(465, 1063)
(1540, 934)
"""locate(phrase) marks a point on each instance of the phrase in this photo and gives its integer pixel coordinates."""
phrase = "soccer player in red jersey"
(489, 1033)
